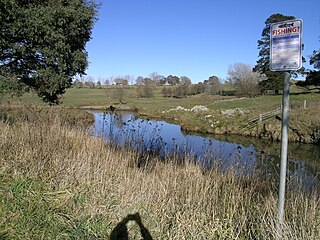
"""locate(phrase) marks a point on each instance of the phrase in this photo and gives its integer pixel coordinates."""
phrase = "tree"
(119, 94)
(77, 83)
(213, 85)
(198, 88)
(109, 80)
(315, 59)
(164, 92)
(89, 81)
(129, 78)
(156, 77)
(139, 80)
(274, 79)
(185, 80)
(42, 43)
(313, 77)
(146, 89)
(245, 81)
(106, 82)
(99, 84)
(173, 80)
(183, 89)
(163, 81)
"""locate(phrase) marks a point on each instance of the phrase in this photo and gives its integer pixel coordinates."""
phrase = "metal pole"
(284, 144)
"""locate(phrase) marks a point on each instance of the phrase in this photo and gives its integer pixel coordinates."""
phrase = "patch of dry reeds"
(96, 180)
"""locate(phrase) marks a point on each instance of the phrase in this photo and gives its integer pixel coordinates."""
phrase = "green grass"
(307, 124)
(31, 209)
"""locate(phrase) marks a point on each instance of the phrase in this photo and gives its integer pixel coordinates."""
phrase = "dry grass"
(94, 185)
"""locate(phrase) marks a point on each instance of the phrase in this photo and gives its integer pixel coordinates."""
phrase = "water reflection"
(241, 153)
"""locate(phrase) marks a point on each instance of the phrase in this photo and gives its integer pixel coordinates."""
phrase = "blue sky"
(194, 38)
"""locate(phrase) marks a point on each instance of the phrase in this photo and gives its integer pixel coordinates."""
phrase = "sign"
(285, 45)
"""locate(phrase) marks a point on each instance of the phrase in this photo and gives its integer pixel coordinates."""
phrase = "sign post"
(285, 55)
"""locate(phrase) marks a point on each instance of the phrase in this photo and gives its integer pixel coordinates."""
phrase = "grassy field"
(224, 114)
(58, 182)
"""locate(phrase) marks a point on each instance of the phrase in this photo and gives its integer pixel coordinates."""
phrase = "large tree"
(173, 80)
(42, 43)
(313, 76)
(274, 79)
(245, 81)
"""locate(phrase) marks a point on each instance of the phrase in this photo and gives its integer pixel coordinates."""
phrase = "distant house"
(117, 83)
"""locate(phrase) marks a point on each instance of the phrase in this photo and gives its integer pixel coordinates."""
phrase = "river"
(238, 152)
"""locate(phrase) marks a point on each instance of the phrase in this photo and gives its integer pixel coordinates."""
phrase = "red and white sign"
(285, 45)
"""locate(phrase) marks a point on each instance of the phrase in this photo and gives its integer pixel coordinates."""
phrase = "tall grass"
(59, 182)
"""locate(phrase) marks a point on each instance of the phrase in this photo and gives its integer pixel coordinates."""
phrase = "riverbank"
(213, 114)
(304, 123)
(57, 181)
(255, 117)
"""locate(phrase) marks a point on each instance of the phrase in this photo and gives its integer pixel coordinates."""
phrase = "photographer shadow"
(120, 232)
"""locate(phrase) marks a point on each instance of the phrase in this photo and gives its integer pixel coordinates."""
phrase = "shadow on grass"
(120, 232)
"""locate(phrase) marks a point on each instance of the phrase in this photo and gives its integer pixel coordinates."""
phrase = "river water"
(238, 152)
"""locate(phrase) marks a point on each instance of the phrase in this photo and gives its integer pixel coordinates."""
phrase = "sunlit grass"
(57, 181)
(304, 121)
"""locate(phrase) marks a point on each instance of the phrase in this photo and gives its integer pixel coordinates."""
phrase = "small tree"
(183, 89)
(213, 85)
(163, 81)
(89, 82)
(119, 93)
(245, 81)
(166, 91)
(139, 80)
(106, 82)
(146, 90)
(78, 84)
(198, 88)
(148, 87)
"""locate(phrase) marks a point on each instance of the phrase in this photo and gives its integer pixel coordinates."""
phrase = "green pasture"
(79, 97)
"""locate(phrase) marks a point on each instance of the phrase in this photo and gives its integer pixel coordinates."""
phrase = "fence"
(252, 122)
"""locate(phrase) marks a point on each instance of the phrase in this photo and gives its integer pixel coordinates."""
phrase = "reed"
(57, 182)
